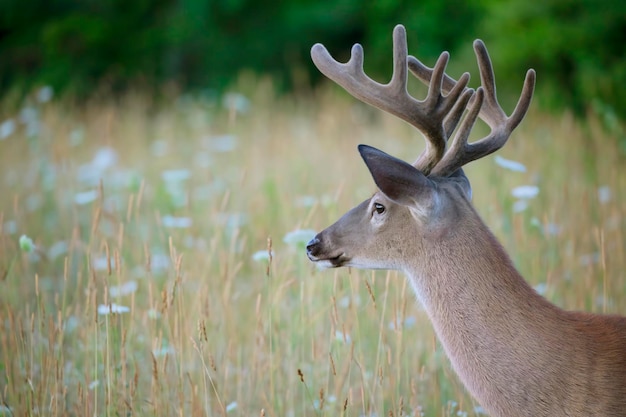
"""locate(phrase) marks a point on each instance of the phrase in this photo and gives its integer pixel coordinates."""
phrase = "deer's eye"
(380, 209)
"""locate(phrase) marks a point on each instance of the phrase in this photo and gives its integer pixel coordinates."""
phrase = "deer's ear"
(399, 181)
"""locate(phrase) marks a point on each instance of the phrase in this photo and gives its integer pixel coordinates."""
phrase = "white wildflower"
(101, 263)
(164, 350)
(124, 289)
(29, 115)
(153, 314)
(407, 323)
(222, 143)
(159, 262)
(346, 301)
(76, 136)
(45, 94)
(541, 288)
(58, 249)
(525, 192)
(509, 164)
(261, 255)
(10, 227)
(479, 410)
(341, 336)
(176, 222)
(299, 237)
(175, 175)
(604, 194)
(105, 309)
(520, 205)
(237, 102)
(306, 201)
(159, 147)
(7, 128)
(71, 323)
(85, 197)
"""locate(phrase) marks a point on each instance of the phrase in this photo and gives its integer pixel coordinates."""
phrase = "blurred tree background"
(78, 47)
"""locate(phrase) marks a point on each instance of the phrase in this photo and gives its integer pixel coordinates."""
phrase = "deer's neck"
(486, 315)
(471, 268)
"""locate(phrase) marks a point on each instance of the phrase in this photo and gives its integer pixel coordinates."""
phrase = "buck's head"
(420, 202)
(408, 209)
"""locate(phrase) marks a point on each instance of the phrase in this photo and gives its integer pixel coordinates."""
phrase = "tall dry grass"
(167, 274)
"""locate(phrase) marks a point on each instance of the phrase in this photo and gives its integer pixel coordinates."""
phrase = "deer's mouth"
(330, 262)
(316, 252)
(339, 260)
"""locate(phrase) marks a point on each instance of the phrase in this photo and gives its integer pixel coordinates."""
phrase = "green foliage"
(577, 46)
(74, 46)
(78, 46)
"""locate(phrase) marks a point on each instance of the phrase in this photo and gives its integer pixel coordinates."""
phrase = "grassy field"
(167, 274)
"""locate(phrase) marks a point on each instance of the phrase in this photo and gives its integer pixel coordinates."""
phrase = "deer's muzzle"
(318, 253)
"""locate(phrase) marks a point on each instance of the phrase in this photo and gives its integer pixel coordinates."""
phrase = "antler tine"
(429, 116)
(354, 80)
(460, 151)
(493, 114)
(466, 95)
(456, 101)
(484, 104)
(435, 151)
(424, 73)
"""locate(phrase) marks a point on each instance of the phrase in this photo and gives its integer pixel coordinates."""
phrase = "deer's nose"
(313, 245)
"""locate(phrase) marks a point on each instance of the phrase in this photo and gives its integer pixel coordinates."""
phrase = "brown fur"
(516, 353)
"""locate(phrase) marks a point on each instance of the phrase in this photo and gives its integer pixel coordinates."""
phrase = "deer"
(516, 353)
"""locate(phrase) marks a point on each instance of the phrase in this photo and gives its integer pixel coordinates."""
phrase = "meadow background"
(152, 236)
